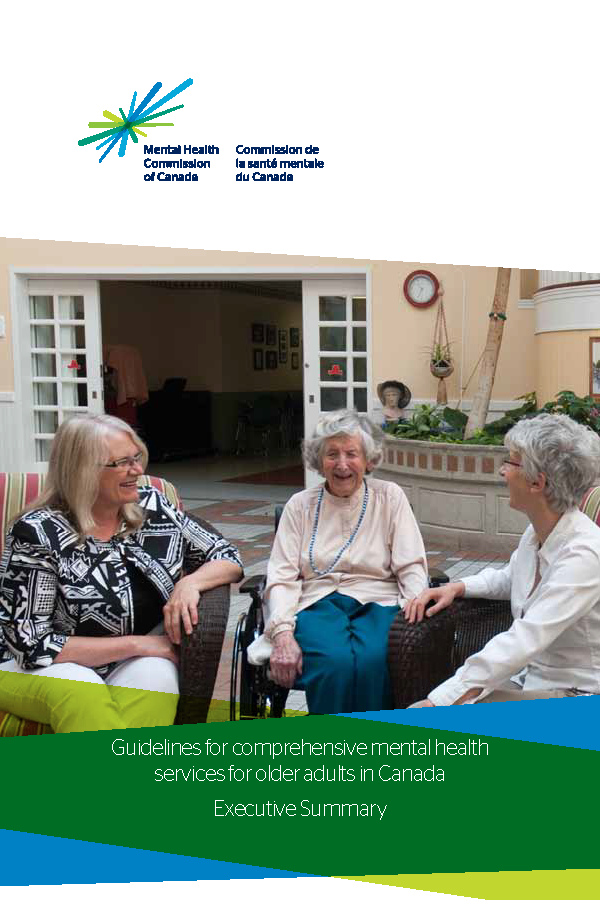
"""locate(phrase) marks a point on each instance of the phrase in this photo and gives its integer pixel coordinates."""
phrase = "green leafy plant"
(526, 411)
(431, 423)
(424, 422)
(583, 409)
(456, 419)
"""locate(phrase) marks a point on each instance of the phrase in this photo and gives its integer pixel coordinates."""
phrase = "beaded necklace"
(313, 538)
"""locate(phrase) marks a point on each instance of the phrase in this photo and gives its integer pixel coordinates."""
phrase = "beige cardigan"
(385, 563)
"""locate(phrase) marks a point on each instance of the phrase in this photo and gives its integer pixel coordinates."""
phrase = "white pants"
(149, 673)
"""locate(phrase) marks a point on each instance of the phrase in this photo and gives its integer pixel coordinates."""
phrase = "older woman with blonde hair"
(89, 572)
(347, 554)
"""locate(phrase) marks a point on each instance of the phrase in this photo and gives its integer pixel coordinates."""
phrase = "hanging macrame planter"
(440, 363)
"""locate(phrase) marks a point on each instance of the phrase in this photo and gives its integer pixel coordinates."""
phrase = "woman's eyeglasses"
(512, 462)
(126, 462)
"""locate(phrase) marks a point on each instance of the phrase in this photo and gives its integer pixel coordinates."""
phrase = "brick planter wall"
(457, 494)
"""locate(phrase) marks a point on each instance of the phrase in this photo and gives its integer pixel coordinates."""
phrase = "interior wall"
(403, 334)
(399, 331)
(206, 337)
(530, 283)
(563, 363)
(178, 333)
(239, 312)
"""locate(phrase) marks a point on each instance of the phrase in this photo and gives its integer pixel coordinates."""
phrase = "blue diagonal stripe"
(29, 859)
(116, 134)
(167, 97)
(112, 144)
(151, 93)
(104, 143)
(123, 146)
(132, 104)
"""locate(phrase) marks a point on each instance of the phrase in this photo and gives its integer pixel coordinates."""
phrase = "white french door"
(337, 370)
(60, 349)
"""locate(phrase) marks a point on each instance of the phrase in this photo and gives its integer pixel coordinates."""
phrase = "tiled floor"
(244, 513)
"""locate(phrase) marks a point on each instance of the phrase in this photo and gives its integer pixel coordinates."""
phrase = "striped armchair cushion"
(165, 487)
(17, 489)
(590, 504)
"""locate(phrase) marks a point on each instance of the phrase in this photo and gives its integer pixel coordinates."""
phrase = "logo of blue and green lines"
(121, 128)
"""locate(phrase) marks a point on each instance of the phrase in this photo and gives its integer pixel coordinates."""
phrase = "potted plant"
(440, 360)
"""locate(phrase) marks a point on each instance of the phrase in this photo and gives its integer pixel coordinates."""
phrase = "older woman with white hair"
(90, 570)
(552, 580)
(347, 554)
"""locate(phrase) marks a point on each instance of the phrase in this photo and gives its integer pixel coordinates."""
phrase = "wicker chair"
(200, 651)
(421, 656)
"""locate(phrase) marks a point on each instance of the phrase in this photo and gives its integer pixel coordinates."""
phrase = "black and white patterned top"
(52, 586)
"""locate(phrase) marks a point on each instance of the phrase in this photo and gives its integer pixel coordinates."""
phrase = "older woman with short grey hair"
(337, 424)
(552, 580)
(347, 554)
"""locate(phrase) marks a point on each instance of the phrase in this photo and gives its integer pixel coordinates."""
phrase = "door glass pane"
(360, 368)
(332, 339)
(359, 339)
(45, 422)
(333, 398)
(42, 335)
(72, 336)
(43, 365)
(360, 399)
(70, 307)
(334, 368)
(73, 366)
(332, 309)
(359, 309)
(40, 308)
(74, 394)
(42, 450)
(44, 394)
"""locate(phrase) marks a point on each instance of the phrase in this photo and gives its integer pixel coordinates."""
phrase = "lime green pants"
(69, 697)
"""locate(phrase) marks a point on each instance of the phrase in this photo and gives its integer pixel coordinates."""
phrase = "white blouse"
(556, 630)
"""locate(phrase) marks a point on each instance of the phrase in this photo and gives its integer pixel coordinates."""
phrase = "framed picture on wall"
(271, 331)
(595, 368)
(294, 338)
(258, 333)
(295, 357)
(271, 359)
(258, 359)
(283, 344)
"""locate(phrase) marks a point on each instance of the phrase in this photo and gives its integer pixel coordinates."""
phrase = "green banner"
(324, 795)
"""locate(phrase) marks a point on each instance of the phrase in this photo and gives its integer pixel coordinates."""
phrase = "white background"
(463, 132)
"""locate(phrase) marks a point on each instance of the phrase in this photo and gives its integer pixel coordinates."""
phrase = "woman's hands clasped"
(286, 659)
(415, 610)
(182, 607)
